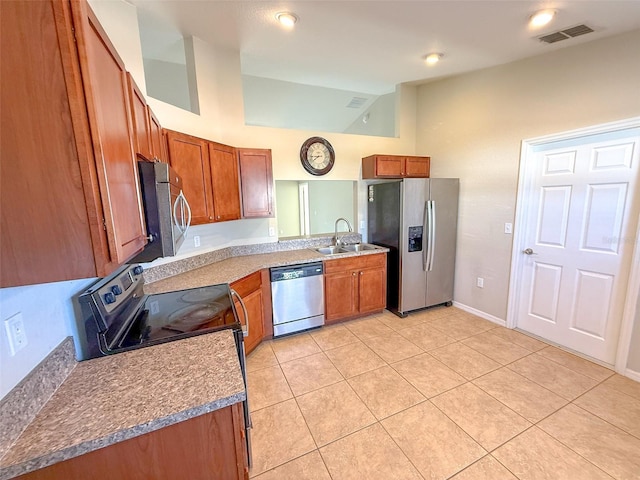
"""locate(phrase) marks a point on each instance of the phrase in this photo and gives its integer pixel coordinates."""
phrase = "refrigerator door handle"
(429, 235)
(432, 235)
(426, 225)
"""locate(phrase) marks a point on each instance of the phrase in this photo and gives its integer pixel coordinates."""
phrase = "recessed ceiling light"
(286, 19)
(541, 18)
(433, 58)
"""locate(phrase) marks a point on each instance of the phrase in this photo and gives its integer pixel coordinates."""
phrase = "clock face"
(317, 156)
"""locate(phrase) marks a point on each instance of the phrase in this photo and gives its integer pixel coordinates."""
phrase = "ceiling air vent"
(577, 31)
(356, 102)
(565, 34)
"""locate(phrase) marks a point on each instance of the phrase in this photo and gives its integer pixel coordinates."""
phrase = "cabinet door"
(372, 289)
(417, 167)
(210, 446)
(255, 310)
(224, 179)
(189, 156)
(157, 140)
(389, 166)
(341, 292)
(250, 288)
(139, 120)
(44, 220)
(257, 183)
(106, 91)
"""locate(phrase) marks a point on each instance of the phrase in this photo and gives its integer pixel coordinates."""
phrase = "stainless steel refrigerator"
(416, 218)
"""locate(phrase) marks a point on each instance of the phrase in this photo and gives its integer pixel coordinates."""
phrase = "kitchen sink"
(334, 250)
(331, 250)
(358, 247)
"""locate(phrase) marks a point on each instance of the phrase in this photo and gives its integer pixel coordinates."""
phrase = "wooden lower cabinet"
(354, 286)
(207, 447)
(255, 292)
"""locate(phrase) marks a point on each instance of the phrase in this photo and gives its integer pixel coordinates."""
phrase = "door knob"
(529, 251)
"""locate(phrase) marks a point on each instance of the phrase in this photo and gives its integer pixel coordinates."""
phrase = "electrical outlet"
(196, 240)
(272, 231)
(480, 282)
(15, 333)
(508, 228)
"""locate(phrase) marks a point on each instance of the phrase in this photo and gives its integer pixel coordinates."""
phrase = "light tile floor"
(439, 394)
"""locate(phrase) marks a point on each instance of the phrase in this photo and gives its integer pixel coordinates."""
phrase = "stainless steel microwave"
(166, 210)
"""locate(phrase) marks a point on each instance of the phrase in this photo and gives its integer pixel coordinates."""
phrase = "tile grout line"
(427, 399)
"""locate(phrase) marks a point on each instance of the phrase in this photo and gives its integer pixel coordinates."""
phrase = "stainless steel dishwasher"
(297, 296)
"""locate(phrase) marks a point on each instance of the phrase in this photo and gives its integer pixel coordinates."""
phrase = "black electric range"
(116, 316)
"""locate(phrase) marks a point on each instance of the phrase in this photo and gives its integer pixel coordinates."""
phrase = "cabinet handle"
(245, 331)
(361, 273)
(354, 274)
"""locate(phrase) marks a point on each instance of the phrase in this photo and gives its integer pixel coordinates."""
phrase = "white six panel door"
(581, 228)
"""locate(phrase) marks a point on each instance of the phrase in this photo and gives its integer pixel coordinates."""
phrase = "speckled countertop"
(232, 269)
(114, 398)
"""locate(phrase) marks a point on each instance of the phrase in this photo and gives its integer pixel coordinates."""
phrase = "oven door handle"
(245, 327)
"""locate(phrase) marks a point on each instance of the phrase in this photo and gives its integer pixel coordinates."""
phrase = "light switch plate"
(508, 228)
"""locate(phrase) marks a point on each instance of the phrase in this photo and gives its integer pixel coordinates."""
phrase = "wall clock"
(317, 156)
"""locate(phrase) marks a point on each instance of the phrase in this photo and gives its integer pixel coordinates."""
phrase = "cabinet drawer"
(374, 260)
(355, 263)
(341, 265)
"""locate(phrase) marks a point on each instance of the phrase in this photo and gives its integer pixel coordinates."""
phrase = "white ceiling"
(371, 46)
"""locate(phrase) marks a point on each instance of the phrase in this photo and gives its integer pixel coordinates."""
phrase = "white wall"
(380, 118)
(48, 317)
(473, 125)
(168, 81)
(633, 362)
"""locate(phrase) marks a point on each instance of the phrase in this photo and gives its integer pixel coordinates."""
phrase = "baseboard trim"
(632, 374)
(480, 314)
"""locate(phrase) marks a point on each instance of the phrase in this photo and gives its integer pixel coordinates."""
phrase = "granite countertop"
(235, 268)
(114, 398)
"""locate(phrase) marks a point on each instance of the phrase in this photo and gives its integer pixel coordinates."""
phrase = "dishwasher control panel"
(296, 271)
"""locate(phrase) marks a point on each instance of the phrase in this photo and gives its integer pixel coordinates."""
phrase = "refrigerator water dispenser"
(415, 239)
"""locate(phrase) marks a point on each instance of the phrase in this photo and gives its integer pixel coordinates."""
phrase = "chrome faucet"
(338, 241)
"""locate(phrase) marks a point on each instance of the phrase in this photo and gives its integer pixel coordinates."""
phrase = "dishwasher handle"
(245, 327)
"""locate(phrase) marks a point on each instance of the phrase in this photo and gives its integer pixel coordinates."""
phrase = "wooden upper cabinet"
(189, 157)
(224, 181)
(395, 166)
(106, 92)
(69, 185)
(256, 178)
(139, 120)
(158, 143)
(44, 221)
